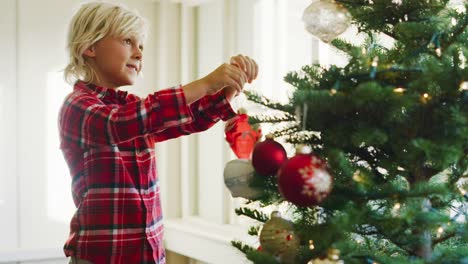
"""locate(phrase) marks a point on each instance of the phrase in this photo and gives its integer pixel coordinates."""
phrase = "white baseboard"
(204, 241)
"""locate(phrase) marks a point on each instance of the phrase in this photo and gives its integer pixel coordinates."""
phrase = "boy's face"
(116, 60)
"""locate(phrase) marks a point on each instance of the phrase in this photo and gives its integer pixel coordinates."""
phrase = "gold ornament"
(278, 238)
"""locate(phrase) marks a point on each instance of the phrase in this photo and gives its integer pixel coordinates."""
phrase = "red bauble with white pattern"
(304, 180)
(268, 156)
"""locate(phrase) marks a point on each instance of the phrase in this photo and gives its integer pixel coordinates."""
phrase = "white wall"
(8, 138)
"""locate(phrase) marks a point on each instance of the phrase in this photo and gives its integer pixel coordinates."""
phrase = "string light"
(463, 86)
(440, 230)
(396, 209)
(357, 176)
(399, 90)
(374, 64)
(311, 245)
(425, 97)
(333, 91)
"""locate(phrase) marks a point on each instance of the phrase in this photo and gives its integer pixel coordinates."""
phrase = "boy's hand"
(225, 75)
(231, 76)
(248, 66)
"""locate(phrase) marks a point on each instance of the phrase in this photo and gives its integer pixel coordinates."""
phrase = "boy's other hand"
(225, 75)
(246, 64)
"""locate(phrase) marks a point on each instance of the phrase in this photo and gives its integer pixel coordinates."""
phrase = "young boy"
(108, 136)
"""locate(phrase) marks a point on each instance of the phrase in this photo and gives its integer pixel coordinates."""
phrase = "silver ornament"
(238, 175)
(326, 19)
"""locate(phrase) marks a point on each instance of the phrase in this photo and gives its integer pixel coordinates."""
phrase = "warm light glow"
(333, 91)
(463, 86)
(357, 176)
(438, 52)
(399, 90)
(425, 97)
(311, 244)
(375, 62)
(440, 230)
(396, 209)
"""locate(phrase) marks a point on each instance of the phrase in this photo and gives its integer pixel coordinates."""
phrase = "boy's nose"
(137, 54)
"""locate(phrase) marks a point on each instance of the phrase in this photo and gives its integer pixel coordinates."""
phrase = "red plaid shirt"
(107, 138)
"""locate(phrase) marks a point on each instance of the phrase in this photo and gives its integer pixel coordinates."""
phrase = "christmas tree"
(380, 172)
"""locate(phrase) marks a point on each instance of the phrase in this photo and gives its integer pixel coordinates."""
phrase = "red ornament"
(241, 136)
(304, 180)
(268, 156)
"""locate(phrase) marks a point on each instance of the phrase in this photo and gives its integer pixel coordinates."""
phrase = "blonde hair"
(92, 22)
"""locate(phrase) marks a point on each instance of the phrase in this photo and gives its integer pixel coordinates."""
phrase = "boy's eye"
(128, 41)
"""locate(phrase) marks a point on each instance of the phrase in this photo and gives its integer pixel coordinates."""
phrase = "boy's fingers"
(255, 69)
(234, 83)
(243, 76)
(240, 75)
(238, 60)
(248, 65)
(251, 69)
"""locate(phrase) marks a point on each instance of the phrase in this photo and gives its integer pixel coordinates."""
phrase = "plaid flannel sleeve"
(87, 121)
(206, 112)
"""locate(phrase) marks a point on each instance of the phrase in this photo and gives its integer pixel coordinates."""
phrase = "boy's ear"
(90, 52)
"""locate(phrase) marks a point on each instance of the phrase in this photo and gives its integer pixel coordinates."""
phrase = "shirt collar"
(102, 92)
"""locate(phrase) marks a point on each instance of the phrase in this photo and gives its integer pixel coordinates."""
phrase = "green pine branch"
(253, 214)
